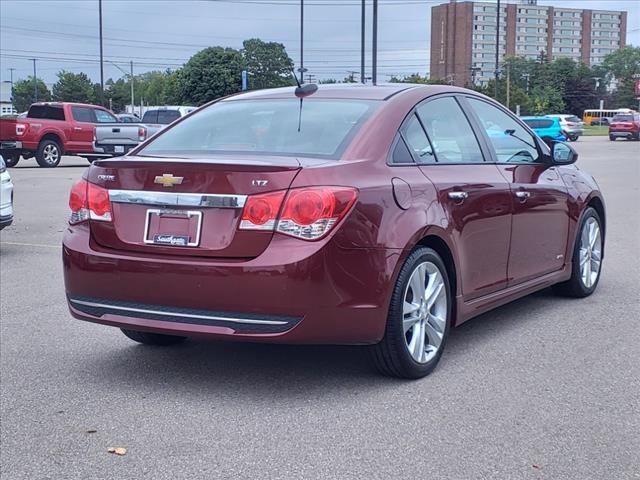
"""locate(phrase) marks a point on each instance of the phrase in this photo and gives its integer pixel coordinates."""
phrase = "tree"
(268, 63)
(621, 66)
(24, 95)
(74, 87)
(211, 73)
(417, 78)
(546, 100)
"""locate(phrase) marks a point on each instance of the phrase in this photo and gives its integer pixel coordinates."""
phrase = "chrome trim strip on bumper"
(177, 314)
(171, 199)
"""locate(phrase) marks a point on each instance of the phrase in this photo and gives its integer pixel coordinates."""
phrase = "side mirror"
(563, 154)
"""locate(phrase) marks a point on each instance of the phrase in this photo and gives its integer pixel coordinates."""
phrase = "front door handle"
(77, 129)
(458, 196)
(523, 196)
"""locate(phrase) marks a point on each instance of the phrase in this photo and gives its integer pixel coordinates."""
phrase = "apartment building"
(463, 36)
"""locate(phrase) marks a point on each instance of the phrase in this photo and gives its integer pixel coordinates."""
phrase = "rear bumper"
(113, 149)
(624, 133)
(578, 131)
(295, 292)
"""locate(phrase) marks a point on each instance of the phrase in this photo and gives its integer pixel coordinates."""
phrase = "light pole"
(374, 48)
(302, 70)
(35, 81)
(362, 19)
(101, 55)
(497, 50)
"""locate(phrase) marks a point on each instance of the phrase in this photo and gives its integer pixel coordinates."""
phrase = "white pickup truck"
(118, 138)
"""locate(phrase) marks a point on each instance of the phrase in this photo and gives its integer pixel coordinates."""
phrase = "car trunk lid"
(186, 206)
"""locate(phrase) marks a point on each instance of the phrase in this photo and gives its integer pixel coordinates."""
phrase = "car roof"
(354, 91)
(72, 104)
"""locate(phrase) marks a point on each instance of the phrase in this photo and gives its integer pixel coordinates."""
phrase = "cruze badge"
(168, 180)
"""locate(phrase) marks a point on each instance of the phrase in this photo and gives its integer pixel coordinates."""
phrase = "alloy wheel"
(51, 154)
(424, 313)
(590, 252)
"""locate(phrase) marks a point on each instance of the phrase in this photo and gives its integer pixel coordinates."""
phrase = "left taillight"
(142, 134)
(89, 201)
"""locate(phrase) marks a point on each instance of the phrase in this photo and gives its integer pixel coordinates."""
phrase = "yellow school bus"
(596, 114)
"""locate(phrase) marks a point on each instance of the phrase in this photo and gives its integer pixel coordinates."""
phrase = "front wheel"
(586, 262)
(11, 160)
(148, 338)
(419, 318)
(612, 138)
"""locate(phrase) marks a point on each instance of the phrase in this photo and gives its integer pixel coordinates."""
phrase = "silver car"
(572, 127)
(6, 196)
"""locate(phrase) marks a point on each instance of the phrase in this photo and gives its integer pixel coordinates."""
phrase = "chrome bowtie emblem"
(168, 180)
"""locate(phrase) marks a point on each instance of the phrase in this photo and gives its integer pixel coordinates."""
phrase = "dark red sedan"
(373, 215)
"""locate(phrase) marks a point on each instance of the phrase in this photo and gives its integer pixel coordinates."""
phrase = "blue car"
(547, 128)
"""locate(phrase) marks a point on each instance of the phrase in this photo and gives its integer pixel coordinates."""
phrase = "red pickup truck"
(51, 130)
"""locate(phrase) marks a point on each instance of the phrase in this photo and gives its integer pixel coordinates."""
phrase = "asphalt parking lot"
(544, 388)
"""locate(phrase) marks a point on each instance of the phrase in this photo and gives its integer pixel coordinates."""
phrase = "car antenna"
(301, 92)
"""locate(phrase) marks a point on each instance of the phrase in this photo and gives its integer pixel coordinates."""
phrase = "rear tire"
(612, 138)
(11, 160)
(584, 281)
(148, 338)
(49, 154)
(418, 323)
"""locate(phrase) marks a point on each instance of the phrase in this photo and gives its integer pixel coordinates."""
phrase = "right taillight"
(308, 213)
(89, 201)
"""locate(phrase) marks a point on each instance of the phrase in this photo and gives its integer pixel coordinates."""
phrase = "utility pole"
(11, 80)
(497, 50)
(362, 19)
(374, 48)
(35, 81)
(131, 80)
(101, 55)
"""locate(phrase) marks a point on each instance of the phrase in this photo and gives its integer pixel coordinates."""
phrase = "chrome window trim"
(177, 314)
(171, 199)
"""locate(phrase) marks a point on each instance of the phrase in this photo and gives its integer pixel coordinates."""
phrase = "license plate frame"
(118, 149)
(188, 214)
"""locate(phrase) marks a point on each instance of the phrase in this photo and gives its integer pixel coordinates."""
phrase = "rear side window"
(450, 133)
(545, 123)
(417, 140)
(82, 114)
(48, 112)
(165, 117)
(531, 123)
(150, 117)
(401, 154)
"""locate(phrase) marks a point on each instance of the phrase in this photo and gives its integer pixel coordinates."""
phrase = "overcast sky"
(160, 34)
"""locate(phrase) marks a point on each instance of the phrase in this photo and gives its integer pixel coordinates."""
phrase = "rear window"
(572, 119)
(322, 128)
(82, 114)
(623, 118)
(48, 112)
(165, 117)
(150, 117)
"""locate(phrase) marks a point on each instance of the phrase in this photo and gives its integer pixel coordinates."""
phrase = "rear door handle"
(523, 195)
(77, 129)
(458, 196)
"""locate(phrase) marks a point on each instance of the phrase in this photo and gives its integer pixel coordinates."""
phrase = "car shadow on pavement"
(205, 367)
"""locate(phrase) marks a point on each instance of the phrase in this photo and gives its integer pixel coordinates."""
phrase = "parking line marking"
(30, 244)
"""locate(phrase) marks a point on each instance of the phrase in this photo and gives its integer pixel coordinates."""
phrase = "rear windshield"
(322, 128)
(623, 118)
(165, 117)
(572, 119)
(49, 112)
(150, 117)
